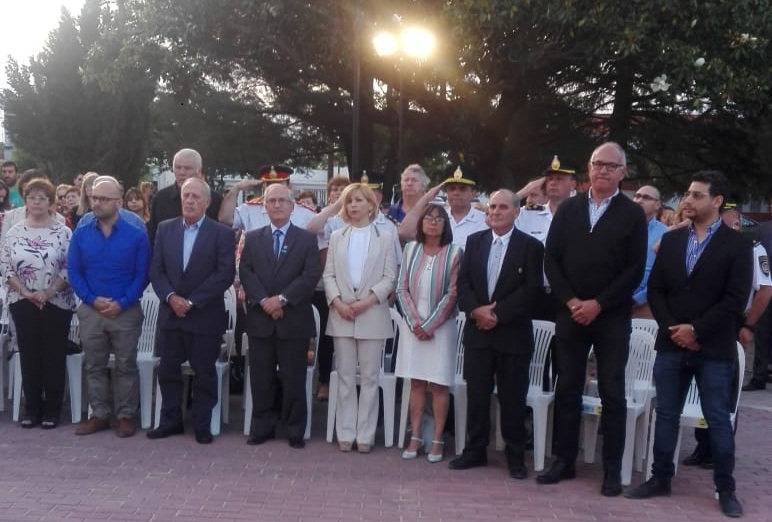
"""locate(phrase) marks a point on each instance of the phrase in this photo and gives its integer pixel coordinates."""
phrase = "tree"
(73, 120)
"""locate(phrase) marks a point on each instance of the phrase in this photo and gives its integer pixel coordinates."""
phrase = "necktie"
(494, 263)
(277, 242)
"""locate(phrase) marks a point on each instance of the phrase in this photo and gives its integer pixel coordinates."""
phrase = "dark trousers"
(609, 335)
(201, 351)
(42, 336)
(483, 367)
(326, 347)
(265, 354)
(673, 372)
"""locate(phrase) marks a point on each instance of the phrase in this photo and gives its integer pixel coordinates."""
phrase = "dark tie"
(277, 242)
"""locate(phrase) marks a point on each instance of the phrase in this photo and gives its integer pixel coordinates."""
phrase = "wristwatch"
(190, 303)
(283, 300)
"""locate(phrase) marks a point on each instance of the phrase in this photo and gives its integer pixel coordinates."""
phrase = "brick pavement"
(56, 476)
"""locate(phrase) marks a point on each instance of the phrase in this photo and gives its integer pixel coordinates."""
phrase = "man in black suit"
(500, 275)
(193, 265)
(279, 270)
(166, 203)
(698, 290)
(594, 260)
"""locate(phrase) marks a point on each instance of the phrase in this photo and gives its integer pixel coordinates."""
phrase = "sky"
(25, 25)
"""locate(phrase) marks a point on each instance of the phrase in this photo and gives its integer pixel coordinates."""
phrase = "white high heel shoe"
(410, 455)
(431, 457)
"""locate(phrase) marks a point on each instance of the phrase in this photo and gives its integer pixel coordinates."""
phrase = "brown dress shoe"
(93, 425)
(125, 428)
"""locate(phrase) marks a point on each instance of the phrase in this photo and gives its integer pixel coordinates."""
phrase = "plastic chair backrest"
(149, 304)
(387, 357)
(460, 323)
(315, 340)
(647, 325)
(543, 332)
(640, 361)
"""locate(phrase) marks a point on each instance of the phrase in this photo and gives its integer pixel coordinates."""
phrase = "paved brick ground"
(56, 476)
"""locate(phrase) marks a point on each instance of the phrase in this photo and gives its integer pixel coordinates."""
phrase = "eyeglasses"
(434, 219)
(645, 197)
(276, 201)
(101, 199)
(602, 165)
(37, 199)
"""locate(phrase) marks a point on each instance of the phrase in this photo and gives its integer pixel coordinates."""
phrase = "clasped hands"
(39, 297)
(272, 306)
(110, 308)
(683, 335)
(484, 317)
(351, 311)
(583, 312)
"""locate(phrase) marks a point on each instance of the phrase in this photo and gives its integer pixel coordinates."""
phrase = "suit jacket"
(379, 276)
(167, 204)
(519, 283)
(293, 275)
(211, 270)
(712, 298)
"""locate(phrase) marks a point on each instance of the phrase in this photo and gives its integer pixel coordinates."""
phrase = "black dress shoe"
(697, 457)
(730, 506)
(161, 432)
(651, 488)
(754, 385)
(204, 437)
(612, 486)
(560, 470)
(297, 443)
(468, 460)
(518, 471)
(256, 440)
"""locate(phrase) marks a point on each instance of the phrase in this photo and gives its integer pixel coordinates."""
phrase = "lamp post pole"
(400, 119)
(357, 89)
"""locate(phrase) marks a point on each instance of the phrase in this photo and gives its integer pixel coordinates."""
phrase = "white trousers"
(357, 421)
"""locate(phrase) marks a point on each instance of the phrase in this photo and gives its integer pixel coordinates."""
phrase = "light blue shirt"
(597, 211)
(189, 235)
(656, 230)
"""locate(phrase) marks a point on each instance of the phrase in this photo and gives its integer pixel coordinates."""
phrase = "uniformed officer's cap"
(555, 168)
(460, 174)
(274, 173)
(373, 180)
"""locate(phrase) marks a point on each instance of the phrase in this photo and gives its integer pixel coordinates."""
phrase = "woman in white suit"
(360, 273)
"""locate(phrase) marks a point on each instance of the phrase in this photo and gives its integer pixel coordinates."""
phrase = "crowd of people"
(589, 262)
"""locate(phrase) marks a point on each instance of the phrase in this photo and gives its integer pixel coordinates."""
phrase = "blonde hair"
(366, 192)
(85, 206)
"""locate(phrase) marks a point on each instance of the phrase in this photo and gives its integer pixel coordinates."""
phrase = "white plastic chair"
(387, 381)
(539, 400)
(691, 415)
(220, 411)
(639, 366)
(310, 371)
(644, 387)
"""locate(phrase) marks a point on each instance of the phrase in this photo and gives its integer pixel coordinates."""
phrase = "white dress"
(433, 360)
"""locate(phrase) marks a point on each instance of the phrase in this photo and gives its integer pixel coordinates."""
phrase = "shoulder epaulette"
(257, 200)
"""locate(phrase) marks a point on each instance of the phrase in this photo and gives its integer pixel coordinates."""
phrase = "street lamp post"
(409, 42)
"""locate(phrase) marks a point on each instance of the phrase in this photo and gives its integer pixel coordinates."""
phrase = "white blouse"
(358, 246)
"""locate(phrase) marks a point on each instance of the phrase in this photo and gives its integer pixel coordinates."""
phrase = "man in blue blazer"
(193, 265)
(279, 269)
(500, 276)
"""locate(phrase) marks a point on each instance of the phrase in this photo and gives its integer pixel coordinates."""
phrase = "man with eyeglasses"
(649, 199)
(108, 265)
(698, 290)
(595, 257)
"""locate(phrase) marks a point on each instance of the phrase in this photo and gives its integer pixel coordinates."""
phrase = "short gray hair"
(204, 185)
(418, 169)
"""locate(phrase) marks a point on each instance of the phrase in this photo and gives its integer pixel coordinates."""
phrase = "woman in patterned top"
(33, 264)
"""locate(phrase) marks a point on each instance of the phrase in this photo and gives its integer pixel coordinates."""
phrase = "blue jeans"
(673, 373)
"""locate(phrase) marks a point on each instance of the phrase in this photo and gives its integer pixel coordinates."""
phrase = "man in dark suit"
(500, 275)
(193, 265)
(279, 270)
(594, 260)
(166, 203)
(698, 290)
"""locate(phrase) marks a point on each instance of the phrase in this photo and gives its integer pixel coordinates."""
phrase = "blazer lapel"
(485, 251)
(199, 245)
(373, 254)
(711, 250)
